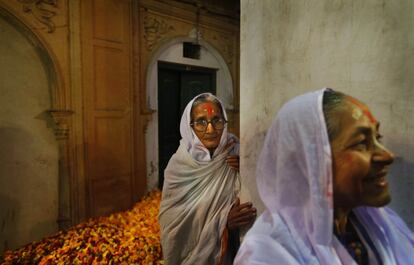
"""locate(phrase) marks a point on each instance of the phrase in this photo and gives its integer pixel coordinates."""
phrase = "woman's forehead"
(206, 108)
(353, 116)
(360, 110)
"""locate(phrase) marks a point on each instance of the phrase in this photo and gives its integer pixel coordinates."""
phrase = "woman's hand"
(233, 162)
(241, 215)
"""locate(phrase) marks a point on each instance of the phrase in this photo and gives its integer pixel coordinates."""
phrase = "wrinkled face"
(360, 161)
(208, 111)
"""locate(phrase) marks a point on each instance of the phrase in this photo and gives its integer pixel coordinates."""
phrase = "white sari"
(197, 196)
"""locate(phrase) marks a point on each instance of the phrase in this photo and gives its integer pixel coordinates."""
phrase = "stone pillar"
(62, 119)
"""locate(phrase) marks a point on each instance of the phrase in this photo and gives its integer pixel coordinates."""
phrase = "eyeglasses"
(201, 125)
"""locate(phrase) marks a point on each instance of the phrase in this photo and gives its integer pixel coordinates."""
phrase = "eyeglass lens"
(201, 125)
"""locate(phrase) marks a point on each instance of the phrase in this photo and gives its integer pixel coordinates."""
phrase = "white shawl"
(197, 196)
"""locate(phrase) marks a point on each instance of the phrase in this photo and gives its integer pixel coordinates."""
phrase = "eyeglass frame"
(209, 122)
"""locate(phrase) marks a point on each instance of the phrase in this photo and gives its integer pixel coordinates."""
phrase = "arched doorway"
(172, 53)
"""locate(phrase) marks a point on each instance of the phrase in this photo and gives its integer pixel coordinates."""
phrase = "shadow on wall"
(8, 222)
(401, 183)
(10, 171)
(399, 66)
(28, 200)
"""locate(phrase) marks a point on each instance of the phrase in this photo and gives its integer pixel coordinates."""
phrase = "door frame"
(224, 90)
(180, 70)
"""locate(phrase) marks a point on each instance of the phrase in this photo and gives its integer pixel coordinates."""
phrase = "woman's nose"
(383, 155)
(209, 128)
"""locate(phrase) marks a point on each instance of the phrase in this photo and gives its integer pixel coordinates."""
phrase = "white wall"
(363, 48)
(28, 149)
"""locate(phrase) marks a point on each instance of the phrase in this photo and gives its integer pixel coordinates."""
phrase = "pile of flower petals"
(130, 237)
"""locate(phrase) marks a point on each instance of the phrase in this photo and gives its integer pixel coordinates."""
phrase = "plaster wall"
(363, 48)
(28, 149)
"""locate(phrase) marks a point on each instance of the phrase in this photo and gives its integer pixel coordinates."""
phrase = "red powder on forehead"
(209, 107)
(364, 109)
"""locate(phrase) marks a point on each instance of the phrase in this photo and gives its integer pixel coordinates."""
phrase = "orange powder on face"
(363, 108)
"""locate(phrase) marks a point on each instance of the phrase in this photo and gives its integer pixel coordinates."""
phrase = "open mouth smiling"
(379, 179)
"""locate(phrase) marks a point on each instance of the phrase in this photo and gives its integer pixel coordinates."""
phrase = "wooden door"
(113, 180)
(177, 85)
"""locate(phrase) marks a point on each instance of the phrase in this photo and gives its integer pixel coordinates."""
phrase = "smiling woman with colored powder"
(322, 177)
(200, 214)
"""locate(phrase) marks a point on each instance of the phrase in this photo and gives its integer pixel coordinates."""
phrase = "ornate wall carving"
(154, 29)
(42, 10)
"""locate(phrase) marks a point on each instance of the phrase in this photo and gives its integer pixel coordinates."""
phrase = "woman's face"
(208, 111)
(360, 161)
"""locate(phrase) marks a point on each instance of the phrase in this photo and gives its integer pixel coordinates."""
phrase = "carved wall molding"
(154, 30)
(187, 12)
(42, 10)
(60, 117)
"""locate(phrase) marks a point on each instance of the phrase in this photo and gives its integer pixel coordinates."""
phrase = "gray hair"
(333, 102)
(206, 97)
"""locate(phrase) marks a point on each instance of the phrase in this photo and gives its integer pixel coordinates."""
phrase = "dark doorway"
(177, 85)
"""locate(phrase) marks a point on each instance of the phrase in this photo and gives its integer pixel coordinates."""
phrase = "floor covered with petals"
(130, 237)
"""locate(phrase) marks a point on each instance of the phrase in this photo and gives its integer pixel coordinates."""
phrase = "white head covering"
(295, 168)
(294, 178)
(197, 196)
(194, 146)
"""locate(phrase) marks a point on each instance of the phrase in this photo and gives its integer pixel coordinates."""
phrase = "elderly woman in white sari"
(200, 214)
(322, 177)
